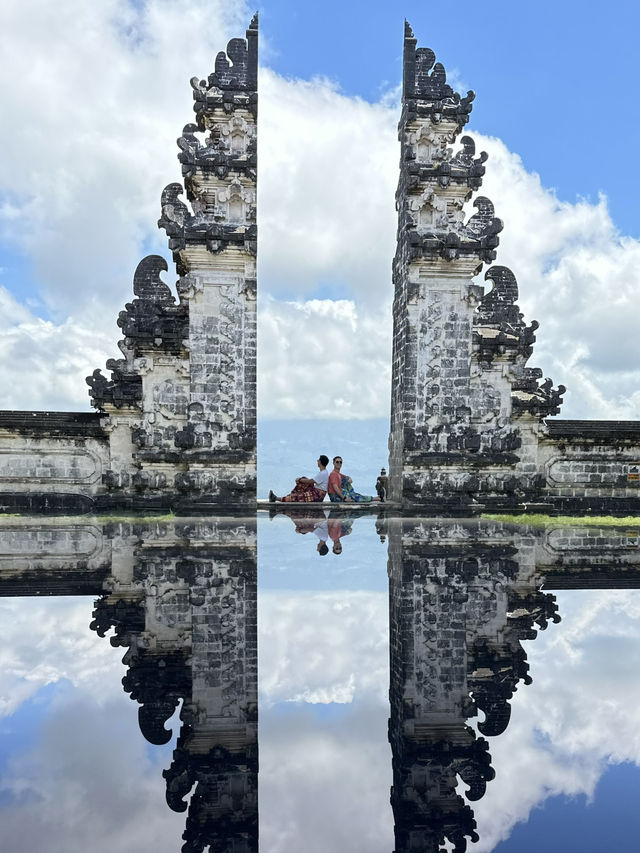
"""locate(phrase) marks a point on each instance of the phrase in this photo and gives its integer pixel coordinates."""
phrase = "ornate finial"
(147, 283)
(254, 23)
(425, 87)
(505, 286)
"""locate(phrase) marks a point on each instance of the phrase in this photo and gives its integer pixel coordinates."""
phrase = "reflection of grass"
(568, 520)
(89, 519)
(104, 519)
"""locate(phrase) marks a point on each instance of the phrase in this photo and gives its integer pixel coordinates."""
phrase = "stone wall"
(52, 461)
(468, 430)
(591, 466)
(177, 412)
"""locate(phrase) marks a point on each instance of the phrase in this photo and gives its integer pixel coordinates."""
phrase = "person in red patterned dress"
(308, 489)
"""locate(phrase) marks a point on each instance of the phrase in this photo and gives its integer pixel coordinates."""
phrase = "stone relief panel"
(50, 465)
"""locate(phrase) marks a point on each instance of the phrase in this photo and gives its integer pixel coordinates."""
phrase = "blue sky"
(607, 821)
(82, 172)
(555, 81)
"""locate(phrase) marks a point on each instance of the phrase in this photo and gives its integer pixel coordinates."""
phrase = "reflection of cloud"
(324, 781)
(45, 640)
(87, 779)
(579, 713)
(323, 647)
(87, 784)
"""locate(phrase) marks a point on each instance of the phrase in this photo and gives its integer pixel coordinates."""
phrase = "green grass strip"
(567, 520)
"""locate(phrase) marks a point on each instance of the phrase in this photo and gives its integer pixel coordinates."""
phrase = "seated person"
(341, 488)
(308, 489)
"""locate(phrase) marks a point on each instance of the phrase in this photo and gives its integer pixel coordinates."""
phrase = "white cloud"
(323, 647)
(321, 774)
(325, 780)
(99, 92)
(87, 783)
(45, 640)
(327, 185)
(577, 716)
(323, 358)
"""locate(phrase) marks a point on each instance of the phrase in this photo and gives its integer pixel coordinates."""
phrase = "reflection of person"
(321, 530)
(308, 489)
(341, 488)
(312, 520)
(338, 528)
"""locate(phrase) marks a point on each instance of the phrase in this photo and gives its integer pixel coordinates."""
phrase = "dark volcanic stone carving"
(235, 79)
(425, 87)
(152, 322)
(499, 329)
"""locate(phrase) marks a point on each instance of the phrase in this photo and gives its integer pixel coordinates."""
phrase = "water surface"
(316, 681)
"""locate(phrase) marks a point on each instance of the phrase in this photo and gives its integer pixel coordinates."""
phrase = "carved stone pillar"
(186, 386)
(453, 439)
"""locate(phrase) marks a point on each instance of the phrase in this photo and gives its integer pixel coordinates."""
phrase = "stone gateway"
(175, 420)
(176, 417)
(469, 428)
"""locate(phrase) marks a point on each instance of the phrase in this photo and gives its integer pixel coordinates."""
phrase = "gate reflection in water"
(456, 601)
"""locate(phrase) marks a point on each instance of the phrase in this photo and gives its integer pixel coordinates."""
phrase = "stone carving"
(175, 420)
(463, 399)
(188, 622)
(425, 88)
(461, 601)
(187, 376)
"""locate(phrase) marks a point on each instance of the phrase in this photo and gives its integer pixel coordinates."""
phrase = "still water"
(318, 681)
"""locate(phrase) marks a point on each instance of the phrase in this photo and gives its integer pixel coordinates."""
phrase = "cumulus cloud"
(87, 783)
(579, 277)
(51, 359)
(327, 184)
(323, 358)
(43, 641)
(79, 193)
(84, 777)
(578, 715)
(323, 647)
(324, 758)
(325, 779)
(99, 92)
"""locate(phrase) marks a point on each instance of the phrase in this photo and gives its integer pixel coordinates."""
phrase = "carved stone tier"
(465, 410)
(182, 401)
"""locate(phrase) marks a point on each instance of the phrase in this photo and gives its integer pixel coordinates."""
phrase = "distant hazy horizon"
(290, 448)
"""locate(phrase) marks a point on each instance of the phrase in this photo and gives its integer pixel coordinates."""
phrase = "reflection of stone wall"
(460, 604)
(187, 615)
(463, 596)
(180, 599)
(56, 558)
